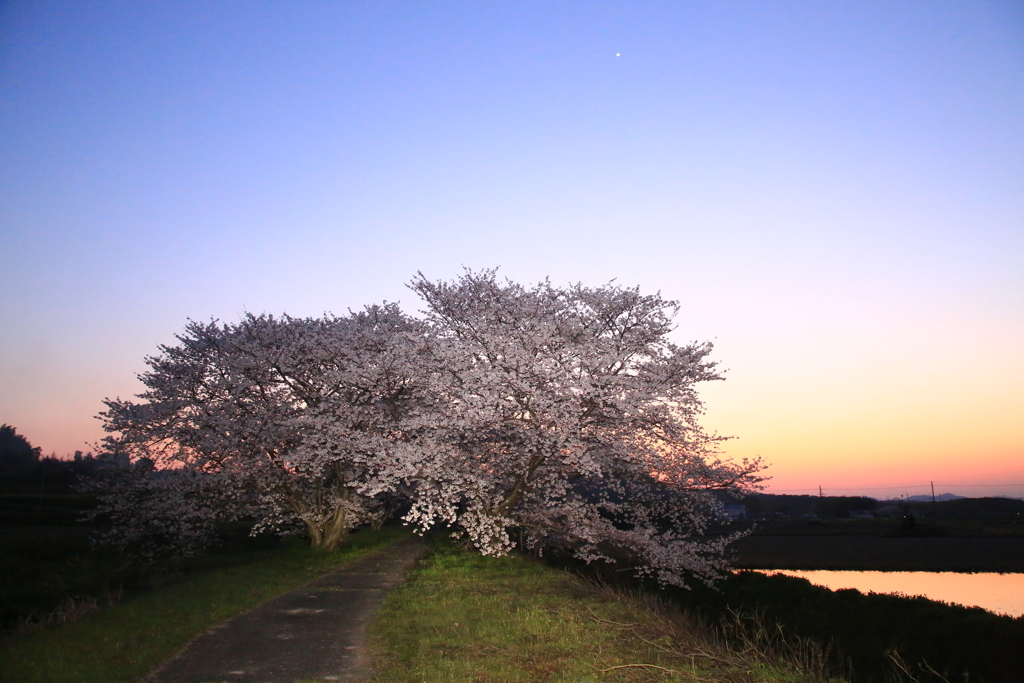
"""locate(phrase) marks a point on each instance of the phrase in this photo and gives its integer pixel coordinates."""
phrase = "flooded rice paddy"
(1000, 593)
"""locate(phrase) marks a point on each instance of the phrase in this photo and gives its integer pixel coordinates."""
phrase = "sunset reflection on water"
(1000, 593)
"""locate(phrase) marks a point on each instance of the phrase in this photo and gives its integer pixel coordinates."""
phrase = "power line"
(1019, 484)
(819, 489)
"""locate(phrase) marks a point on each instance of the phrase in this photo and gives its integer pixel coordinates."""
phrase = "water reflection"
(1000, 593)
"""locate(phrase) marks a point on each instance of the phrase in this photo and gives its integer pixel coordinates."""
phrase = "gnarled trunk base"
(330, 535)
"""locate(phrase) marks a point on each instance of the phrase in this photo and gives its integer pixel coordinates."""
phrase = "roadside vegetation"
(463, 617)
(89, 640)
(881, 637)
(46, 558)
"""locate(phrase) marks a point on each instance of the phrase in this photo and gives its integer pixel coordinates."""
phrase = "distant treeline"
(972, 508)
(23, 468)
(761, 505)
(775, 506)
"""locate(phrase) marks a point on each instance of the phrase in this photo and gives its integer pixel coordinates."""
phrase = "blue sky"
(832, 190)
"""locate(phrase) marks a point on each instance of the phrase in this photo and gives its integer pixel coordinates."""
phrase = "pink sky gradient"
(832, 193)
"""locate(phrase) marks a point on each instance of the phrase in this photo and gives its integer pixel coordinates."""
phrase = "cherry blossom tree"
(542, 416)
(568, 417)
(281, 419)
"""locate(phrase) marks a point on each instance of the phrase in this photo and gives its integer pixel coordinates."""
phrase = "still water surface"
(1000, 593)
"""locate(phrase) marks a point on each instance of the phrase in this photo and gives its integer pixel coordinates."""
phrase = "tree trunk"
(326, 535)
(336, 530)
(316, 534)
(387, 509)
(330, 535)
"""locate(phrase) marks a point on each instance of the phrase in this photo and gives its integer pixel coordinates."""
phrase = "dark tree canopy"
(17, 456)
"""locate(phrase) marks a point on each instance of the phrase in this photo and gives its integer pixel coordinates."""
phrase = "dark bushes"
(933, 639)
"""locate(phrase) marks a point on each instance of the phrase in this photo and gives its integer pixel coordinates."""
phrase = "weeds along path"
(317, 632)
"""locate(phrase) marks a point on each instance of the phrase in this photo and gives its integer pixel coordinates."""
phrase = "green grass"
(44, 566)
(463, 617)
(125, 641)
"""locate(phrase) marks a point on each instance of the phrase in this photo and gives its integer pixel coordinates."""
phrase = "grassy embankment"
(127, 639)
(463, 617)
(959, 643)
(934, 641)
(46, 558)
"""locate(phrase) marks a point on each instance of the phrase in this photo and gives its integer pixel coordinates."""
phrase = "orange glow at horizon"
(940, 402)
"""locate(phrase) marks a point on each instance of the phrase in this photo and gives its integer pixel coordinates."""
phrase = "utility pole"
(935, 506)
(42, 485)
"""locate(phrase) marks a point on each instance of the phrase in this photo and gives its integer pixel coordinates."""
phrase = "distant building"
(736, 512)
(887, 511)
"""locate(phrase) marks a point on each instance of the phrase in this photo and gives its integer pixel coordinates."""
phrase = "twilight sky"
(833, 191)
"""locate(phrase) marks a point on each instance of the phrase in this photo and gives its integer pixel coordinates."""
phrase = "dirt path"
(317, 632)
